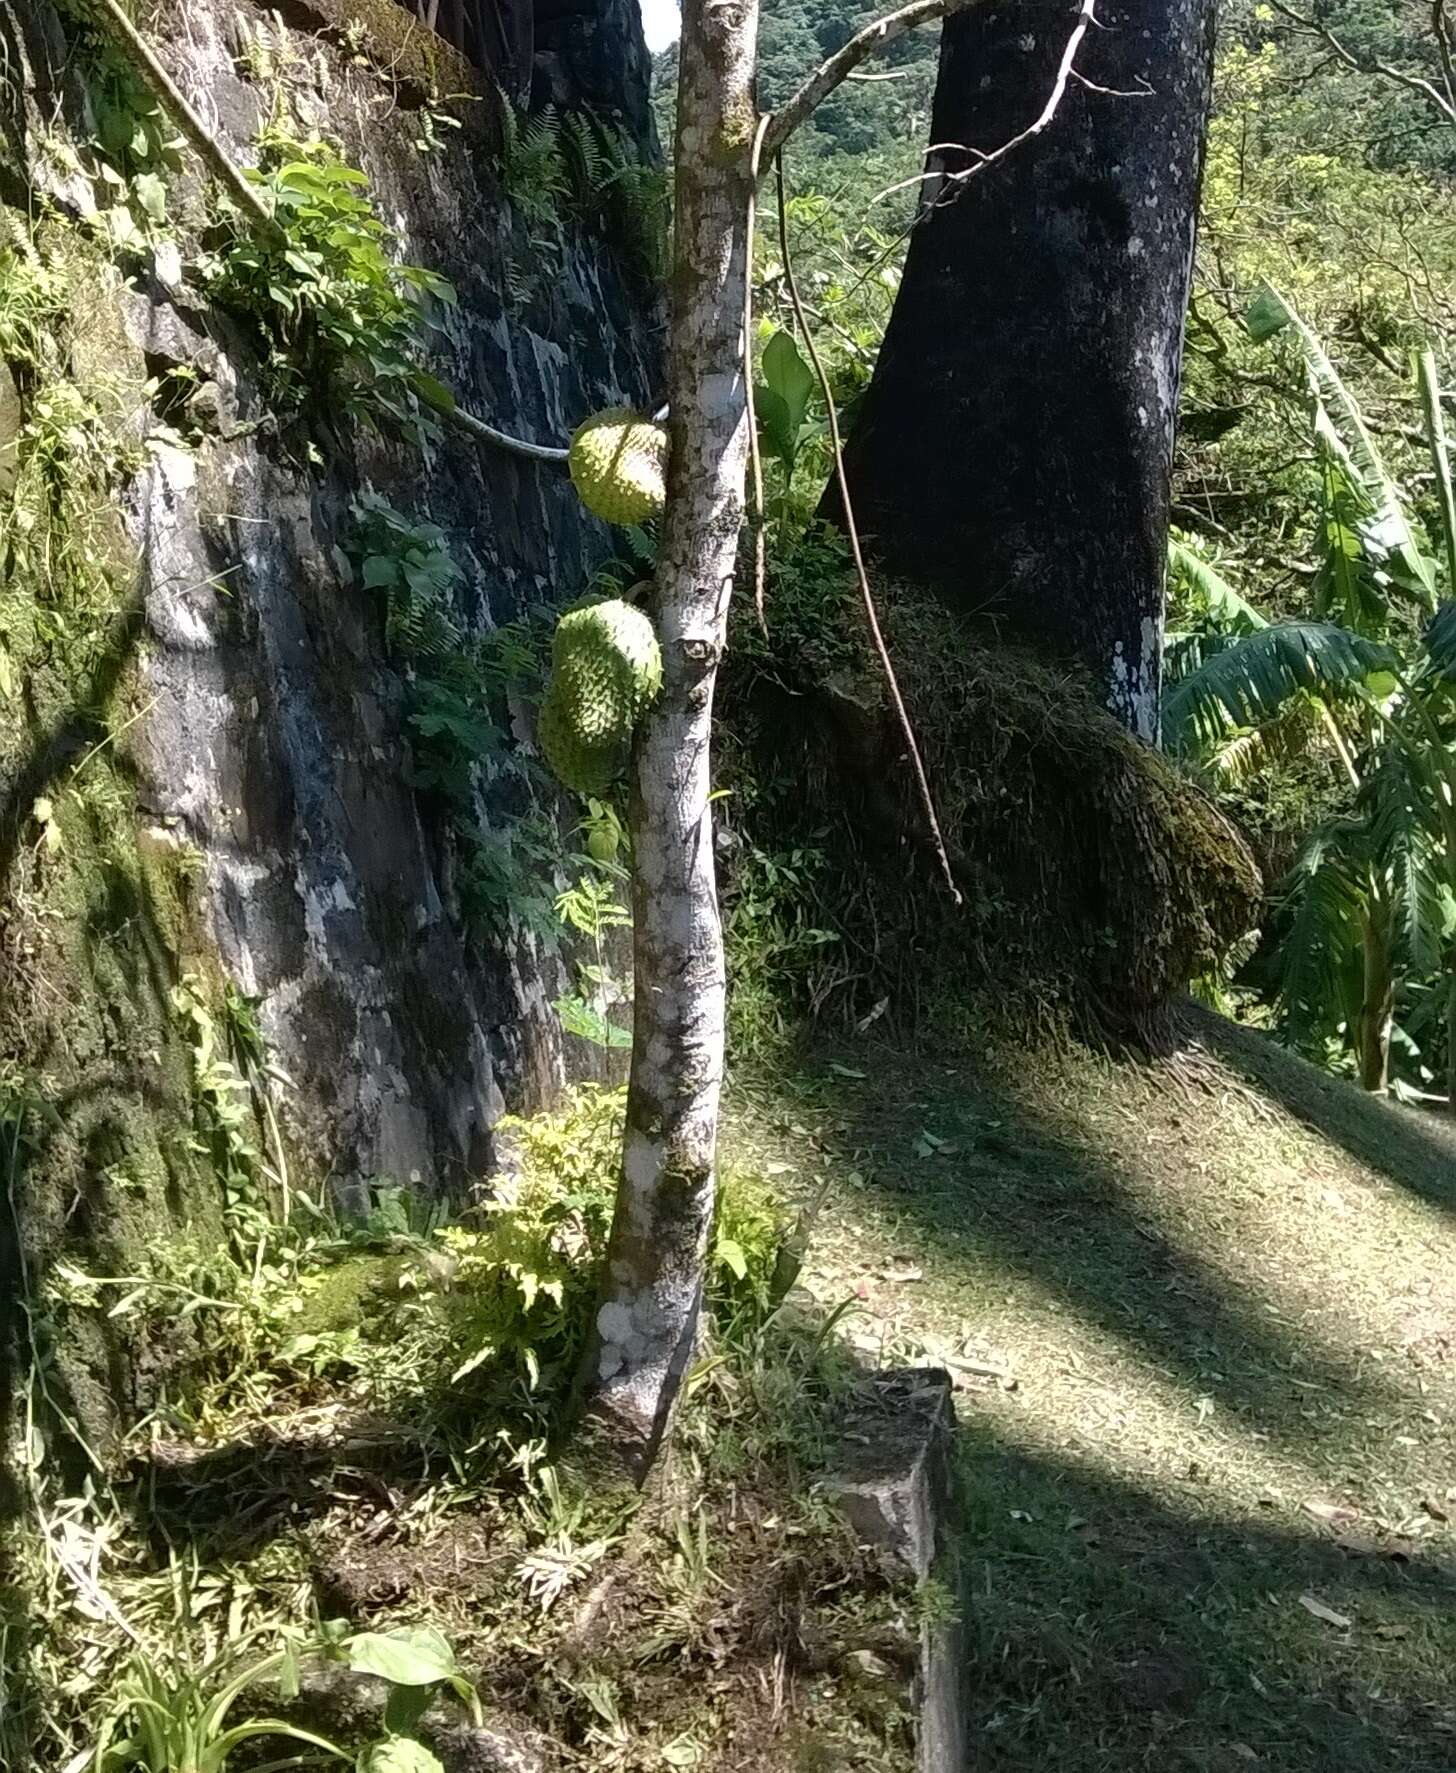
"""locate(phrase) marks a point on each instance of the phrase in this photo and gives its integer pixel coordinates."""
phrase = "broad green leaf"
(776, 435)
(786, 372)
(411, 1657)
(121, 227)
(1224, 604)
(1388, 530)
(398, 1754)
(151, 193)
(1408, 859)
(579, 1017)
(405, 1707)
(1252, 681)
(731, 1255)
(379, 570)
(432, 391)
(1322, 943)
(471, 1362)
(1348, 583)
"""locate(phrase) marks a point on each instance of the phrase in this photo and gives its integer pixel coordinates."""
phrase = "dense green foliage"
(1313, 537)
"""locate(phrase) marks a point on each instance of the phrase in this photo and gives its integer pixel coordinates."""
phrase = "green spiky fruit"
(618, 464)
(606, 668)
(602, 844)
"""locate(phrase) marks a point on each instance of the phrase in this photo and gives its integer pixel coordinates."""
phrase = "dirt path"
(1206, 1361)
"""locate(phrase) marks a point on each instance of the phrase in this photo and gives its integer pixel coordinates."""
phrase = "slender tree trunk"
(1040, 322)
(1377, 1004)
(647, 1322)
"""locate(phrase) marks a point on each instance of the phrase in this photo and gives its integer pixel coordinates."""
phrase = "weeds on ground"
(371, 1427)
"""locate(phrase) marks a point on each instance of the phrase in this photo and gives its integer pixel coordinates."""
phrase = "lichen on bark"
(647, 1322)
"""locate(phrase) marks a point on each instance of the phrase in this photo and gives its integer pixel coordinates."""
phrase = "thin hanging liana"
(887, 664)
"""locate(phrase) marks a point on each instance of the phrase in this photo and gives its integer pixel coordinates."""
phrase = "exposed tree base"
(1096, 878)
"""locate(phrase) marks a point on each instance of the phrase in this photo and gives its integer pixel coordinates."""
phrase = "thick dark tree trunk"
(1014, 446)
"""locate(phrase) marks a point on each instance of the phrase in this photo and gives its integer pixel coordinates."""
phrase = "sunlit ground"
(1206, 1363)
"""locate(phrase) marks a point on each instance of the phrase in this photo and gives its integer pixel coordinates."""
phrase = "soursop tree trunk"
(647, 1321)
(1014, 445)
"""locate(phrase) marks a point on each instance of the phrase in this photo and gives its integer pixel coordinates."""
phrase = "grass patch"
(1202, 1323)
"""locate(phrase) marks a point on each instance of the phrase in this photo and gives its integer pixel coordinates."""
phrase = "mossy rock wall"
(205, 765)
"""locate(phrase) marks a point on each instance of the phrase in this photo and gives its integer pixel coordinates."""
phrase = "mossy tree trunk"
(647, 1322)
(1040, 321)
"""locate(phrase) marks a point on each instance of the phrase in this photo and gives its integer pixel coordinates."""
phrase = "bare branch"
(887, 665)
(1441, 31)
(1444, 102)
(1086, 16)
(938, 178)
(485, 433)
(797, 109)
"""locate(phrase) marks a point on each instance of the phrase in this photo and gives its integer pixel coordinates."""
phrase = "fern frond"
(583, 149)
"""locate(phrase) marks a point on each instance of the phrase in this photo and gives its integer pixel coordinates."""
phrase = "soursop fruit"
(606, 669)
(618, 465)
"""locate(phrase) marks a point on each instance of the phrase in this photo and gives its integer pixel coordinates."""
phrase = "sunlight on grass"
(1204, 1359)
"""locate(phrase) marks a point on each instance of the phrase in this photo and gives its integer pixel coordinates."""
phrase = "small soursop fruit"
(602, 844)
(618, 464)
(606, 668)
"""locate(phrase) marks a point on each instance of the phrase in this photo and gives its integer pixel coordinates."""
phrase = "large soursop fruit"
(618, 463)
(606, 668)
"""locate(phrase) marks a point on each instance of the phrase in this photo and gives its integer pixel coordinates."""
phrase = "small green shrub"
(412, 565)
(171, 1717)
(341, 318)
(746, 1243)
(497, 1314)
(781, 960)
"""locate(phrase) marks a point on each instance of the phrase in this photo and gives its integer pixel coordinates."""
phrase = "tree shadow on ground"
(1111, 1629)
(1007, 1192)
(1132, 1609)
(1407, 1147)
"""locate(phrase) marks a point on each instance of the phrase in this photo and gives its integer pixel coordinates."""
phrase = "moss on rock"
(97, 919)
(397, 42)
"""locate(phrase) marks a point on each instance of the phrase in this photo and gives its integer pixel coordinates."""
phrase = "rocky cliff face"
(245, 945)
(273, 743)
